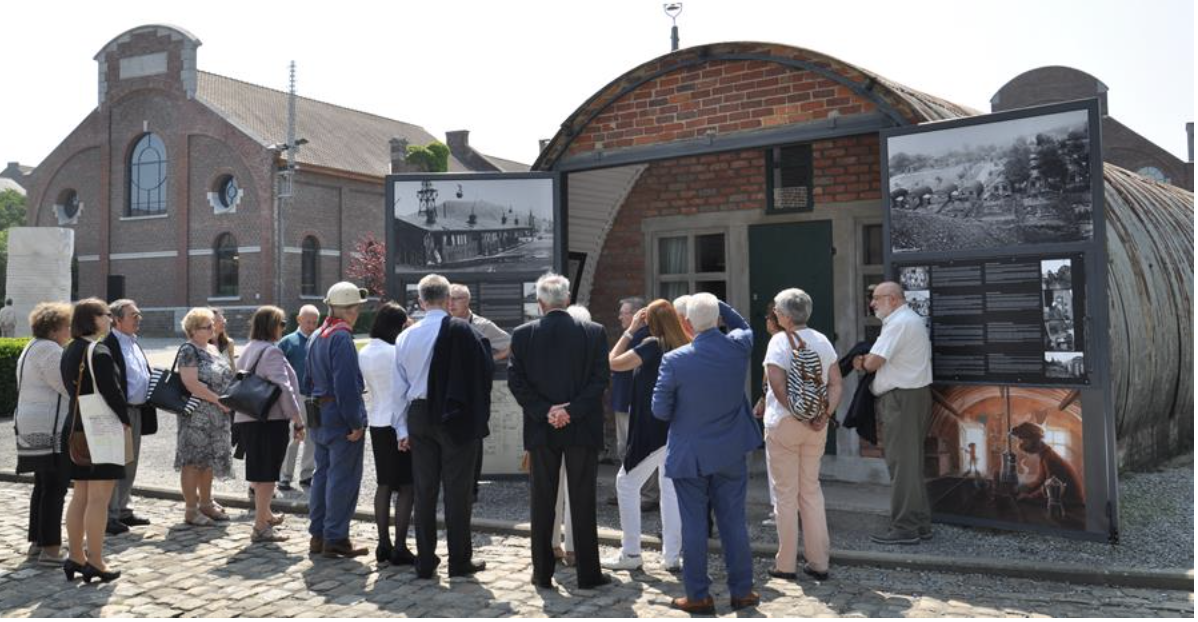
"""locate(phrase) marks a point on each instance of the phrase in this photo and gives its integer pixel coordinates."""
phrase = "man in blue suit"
(701, 392)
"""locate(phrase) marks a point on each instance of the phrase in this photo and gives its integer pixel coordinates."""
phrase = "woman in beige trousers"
(794, 447)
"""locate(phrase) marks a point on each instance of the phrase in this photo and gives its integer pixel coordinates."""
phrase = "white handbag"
(108, 440)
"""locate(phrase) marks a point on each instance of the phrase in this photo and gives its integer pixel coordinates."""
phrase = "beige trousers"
(793, 459)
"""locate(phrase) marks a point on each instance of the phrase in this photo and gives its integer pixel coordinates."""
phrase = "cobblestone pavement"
(171, 569)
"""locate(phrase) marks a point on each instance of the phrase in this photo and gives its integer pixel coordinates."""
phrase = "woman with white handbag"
(42, 402)
(87, 369)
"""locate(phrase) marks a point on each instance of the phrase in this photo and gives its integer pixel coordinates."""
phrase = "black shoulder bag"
(252, 394)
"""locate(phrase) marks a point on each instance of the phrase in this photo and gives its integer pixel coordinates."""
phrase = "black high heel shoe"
(70, 567)
(106, 576)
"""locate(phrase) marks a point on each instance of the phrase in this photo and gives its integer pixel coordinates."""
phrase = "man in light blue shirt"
(134, 369)
(295, 347)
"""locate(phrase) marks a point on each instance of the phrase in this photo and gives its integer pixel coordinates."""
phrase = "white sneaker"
(623, 562)
(674, 566)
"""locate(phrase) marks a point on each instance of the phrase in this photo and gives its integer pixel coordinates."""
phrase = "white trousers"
(628, 492)
(562, 516)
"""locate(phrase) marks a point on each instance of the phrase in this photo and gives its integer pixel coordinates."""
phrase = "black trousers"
(582, 470)
(45, 506)
(438, 460)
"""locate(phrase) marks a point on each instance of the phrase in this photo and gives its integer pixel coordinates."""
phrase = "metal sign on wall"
(496, 234)
(995, 229)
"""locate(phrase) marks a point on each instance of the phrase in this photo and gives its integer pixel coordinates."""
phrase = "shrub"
(10, 351)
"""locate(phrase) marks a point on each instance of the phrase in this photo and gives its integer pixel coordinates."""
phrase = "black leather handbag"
(252, 394)
(167, 391)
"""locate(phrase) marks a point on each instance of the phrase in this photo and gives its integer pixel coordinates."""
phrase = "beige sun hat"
(344, 294)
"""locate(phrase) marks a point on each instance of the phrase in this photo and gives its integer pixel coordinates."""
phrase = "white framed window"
(690, 262)
(1058, 439)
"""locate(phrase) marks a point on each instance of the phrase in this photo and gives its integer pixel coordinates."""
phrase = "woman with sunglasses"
(203, 449)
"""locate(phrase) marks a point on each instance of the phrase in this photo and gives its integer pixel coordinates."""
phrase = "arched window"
(147, 177)
(226, 266)
(310, 267)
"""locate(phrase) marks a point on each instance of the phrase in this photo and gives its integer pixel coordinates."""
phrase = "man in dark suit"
(701, 392)
(442, 397)
(131, 361)
(558, 372)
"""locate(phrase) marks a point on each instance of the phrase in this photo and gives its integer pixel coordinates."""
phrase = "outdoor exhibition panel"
(996, 232)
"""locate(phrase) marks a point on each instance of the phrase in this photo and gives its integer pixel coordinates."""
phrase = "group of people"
(422, 389)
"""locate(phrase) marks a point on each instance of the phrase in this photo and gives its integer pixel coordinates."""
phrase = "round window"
(229, 191)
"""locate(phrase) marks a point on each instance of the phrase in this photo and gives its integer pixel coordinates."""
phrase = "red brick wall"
(721, 96)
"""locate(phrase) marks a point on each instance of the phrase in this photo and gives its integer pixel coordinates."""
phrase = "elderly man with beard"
(902, 361)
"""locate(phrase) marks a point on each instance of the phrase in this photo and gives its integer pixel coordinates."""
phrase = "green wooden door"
(787, 255)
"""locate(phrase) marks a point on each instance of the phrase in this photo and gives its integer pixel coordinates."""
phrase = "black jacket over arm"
(107, 376)
(149, 414)
(861, 414)
(556, 360)
(459, 381)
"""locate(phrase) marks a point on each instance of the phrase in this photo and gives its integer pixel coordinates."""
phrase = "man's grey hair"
(637, 303)
(120, 307)
(579, 313)
(457, 290)
(553, 290)
(434, 289)
(795, 304)
(682, 304)
(703, 311)
(307, 310)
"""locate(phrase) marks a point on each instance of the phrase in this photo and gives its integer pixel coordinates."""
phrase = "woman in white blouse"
(392, 466)
(42, 402)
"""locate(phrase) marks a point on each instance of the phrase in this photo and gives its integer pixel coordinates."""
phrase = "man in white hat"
(335, 381)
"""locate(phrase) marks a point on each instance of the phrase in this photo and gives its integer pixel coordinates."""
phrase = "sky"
(511, 72)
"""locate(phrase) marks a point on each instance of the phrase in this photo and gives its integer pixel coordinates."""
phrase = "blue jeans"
(725, 492)
(334, 494)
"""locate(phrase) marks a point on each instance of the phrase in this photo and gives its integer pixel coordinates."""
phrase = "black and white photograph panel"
(914, 277)
(532, 311)
(1058, 305)
(412, 301)
(920, 301)
(1057, 273)
(530, 293)
(1064, 365)
(489, 225)
(1006, 183)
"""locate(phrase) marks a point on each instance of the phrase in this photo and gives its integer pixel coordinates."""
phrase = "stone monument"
(39, 269)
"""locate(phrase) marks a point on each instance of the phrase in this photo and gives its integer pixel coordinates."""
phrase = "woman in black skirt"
(265, 442)
(87, 515)
(393, 467)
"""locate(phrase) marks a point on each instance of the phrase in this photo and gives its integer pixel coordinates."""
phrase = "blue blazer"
(701, 392)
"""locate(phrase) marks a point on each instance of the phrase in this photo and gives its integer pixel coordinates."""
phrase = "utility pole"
(285, 189)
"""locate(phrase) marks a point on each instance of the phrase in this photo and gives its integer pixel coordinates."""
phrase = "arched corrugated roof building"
(672, 173)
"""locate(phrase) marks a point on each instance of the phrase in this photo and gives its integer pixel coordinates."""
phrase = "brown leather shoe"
(752, 599)
(315, 545)
(342, 548)
(705, 606)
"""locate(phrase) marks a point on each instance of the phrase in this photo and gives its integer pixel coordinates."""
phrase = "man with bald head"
(902, 361)
(295, 347)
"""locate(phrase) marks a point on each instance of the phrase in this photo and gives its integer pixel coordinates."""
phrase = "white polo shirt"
(905, 345)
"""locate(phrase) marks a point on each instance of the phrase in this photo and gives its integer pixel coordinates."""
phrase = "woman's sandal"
(214, 512)
(195, 517)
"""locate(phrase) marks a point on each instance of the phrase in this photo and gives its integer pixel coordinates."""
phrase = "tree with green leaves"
(12, 214)
(431, 158)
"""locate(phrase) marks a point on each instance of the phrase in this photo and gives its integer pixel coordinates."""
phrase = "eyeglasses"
(205, 327)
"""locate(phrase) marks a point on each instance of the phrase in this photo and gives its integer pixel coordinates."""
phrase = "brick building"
(739, 169)
(1121, 145)
(171, 183)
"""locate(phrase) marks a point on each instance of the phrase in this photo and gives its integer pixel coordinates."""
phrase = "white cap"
(344, 294)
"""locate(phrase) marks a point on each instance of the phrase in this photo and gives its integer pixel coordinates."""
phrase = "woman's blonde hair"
(48, 317)
(195, 318)
(665, 325)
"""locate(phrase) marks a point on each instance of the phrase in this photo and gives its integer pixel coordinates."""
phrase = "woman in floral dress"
(203, 449)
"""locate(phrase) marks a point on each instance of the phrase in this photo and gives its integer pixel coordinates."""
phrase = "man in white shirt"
(8, 319)
(438, 456)
(134, 368)
(902, 360)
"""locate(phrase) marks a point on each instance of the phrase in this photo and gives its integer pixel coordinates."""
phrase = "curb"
(1167, 579)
